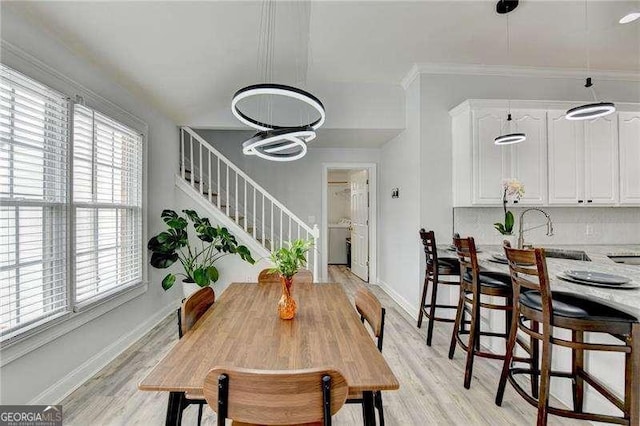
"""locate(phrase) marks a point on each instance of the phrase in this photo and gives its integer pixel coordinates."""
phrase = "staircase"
(238, 201)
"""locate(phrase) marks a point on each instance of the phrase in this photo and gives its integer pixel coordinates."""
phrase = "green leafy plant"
(512, 189)
(288, 260)
(173, 245)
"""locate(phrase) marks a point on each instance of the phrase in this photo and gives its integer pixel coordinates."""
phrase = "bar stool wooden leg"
(432, 309)
(545, 377)
(457, 326)
(473, 338)
(577, 366)
(425, 288)
(632, 377)
(511, 343)
(535, 359)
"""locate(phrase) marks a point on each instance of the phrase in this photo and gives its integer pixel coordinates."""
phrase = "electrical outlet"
(588, 230)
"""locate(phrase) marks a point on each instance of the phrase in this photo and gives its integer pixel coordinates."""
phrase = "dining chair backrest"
(371, 310)
(275, 397)
(193, 307)
(302, 276)
(528, 270)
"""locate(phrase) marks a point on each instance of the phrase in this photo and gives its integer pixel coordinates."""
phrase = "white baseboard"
(72, 381)
(408, 307)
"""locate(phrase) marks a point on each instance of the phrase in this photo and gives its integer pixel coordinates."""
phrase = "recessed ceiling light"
(630, 17)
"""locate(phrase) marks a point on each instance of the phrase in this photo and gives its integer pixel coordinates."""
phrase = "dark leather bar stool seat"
(575, 306)
(474, 285)
(491, 279)
(447, 266)
(439, 271)
(539, 306)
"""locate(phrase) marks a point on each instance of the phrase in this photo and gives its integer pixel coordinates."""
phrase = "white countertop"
(624, 299)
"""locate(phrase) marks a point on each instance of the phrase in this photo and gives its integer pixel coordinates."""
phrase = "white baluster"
(209, 178)
(183, 166)
(289, 228)
(201, 161)
(263, 222)
(237, 195)
(193, 171)
(219, 197)
(227, 203)
(316, 232)
(281, 241)
(245, 206)
(273, 244)
(255, 212)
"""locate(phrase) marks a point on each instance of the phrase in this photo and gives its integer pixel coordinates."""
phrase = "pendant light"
(595, 109)
(510, 137)
(273, 141)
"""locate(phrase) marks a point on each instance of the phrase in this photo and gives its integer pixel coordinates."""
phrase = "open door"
(360, 224)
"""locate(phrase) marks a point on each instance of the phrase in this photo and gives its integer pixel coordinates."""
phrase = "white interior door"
(360, 224)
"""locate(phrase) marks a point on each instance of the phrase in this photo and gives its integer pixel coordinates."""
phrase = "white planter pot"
(189, 288)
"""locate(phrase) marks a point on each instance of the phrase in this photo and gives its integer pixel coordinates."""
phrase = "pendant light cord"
(588, 49)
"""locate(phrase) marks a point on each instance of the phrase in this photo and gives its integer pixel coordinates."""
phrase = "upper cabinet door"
(629, 131)
(529, 158)
(601, 160)
(490, 161)
(566, 159)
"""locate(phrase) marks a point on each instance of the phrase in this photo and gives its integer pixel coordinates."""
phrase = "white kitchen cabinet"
(529, 158)
(601, 160)
(582, 160)
(480, 166)
(629, 142)
(491, 163)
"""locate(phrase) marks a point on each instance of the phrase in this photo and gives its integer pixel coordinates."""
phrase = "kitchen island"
(606, 366)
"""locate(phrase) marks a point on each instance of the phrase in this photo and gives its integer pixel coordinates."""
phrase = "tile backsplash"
(572, 225)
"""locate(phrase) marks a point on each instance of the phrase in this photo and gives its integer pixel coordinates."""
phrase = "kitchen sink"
(628, 260)
(567, 254)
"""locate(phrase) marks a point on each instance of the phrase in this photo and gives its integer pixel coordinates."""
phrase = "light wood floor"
(431, 391)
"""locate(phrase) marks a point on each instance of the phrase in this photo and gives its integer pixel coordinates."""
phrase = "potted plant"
(287, 261)
(173, 245)
(512, 189)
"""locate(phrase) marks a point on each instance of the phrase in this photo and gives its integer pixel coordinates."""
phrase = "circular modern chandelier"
(284, 144)
(595, 109)
(273, 89)
(510, 137)
(276, 141)
(592, 110)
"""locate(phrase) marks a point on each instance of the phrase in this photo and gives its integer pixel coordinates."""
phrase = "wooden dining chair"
(302, 276)
(192, 308)
(371, 311)
(438, 271)
(535, 303)
(275, 397)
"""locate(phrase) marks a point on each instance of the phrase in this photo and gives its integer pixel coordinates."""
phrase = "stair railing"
(260, 214)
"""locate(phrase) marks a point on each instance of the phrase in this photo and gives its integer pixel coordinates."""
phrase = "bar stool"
(435, 269)
(536, 303)
(473, 285)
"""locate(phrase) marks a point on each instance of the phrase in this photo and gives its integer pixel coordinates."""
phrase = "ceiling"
(188, 58)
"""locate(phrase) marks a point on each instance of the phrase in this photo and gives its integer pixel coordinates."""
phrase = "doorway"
(348, 222)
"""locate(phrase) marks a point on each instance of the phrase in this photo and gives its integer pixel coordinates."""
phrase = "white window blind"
(34, 145)
(107, 203)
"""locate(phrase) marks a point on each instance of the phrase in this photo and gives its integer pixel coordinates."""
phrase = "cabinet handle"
(589, 201)
(581, 201)
(515, 201)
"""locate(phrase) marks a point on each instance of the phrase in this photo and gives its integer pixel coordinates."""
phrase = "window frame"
(76, 314)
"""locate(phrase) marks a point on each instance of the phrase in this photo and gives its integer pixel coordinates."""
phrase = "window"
(70, 207)
(107, 202)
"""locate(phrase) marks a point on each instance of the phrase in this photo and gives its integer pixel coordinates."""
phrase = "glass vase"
(287, 305)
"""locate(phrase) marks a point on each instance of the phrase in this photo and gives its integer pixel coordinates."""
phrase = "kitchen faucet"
(521, 231)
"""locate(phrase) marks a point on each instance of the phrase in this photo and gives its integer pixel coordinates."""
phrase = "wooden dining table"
(243, 329)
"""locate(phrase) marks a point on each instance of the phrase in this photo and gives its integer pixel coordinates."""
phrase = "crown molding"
(513, 71)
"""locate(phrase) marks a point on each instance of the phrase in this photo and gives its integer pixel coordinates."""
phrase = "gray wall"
(55, 365)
